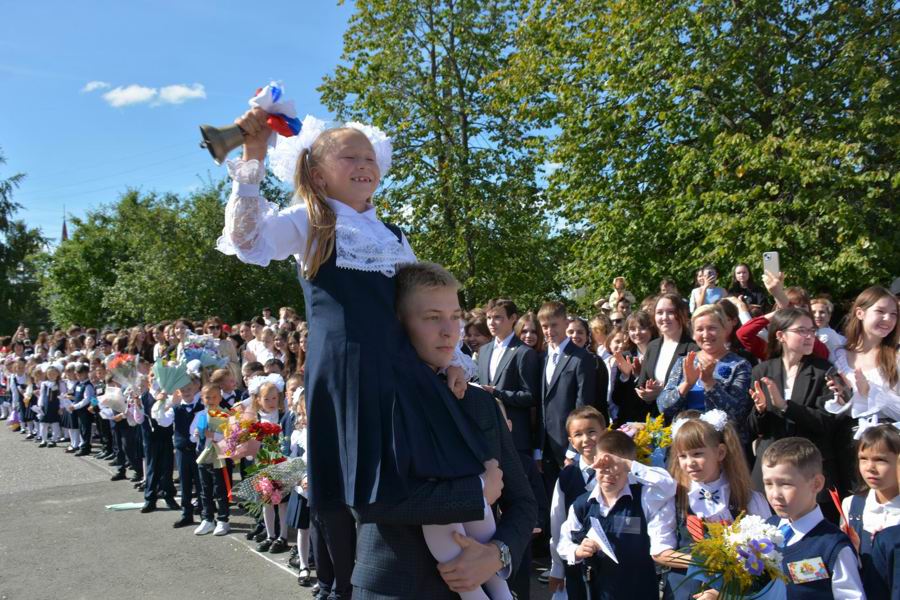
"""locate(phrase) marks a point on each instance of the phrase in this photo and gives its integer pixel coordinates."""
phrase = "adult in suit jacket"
(393, 561)
(778, 414)
(569, 380)
(517, 372)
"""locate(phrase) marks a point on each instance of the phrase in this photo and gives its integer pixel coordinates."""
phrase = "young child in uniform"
(818, 558)
(630, 514)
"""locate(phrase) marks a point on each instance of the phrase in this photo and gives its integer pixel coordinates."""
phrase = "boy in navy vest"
(615, 530)
(82, 405)
(584, 425)
(181, 409)
(157, 439)
(819, 560)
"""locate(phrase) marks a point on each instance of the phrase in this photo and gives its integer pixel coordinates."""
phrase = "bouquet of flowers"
(170, 377)
(247, 438)
(741, 559)
(112, 401)
(652, 439)
(124, 369)
(204, 348)
(270, 485)
(216, 420)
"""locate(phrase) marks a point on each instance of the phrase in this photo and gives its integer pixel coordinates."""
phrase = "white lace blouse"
(882, 400)
(257, 232)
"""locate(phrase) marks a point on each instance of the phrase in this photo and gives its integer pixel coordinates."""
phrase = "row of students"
(647, 514)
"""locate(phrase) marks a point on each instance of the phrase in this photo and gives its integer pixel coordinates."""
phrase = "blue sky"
(167, 67)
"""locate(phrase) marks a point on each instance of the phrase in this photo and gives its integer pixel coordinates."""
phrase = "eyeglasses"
(213, 327)
(803, 331)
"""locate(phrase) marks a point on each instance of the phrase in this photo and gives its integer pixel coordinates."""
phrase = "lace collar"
(363, 243)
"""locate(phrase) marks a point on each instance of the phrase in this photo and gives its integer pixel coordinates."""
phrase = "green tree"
(704, 131)
(463, 180)
(18, 244)
(151, 257)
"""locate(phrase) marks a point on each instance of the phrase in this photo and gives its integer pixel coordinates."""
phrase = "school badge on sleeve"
(811, 569)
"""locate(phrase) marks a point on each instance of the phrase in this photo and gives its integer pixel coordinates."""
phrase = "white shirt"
(882, 400)
(709, 501)
(657, 503)
(832, 340)
(553, 357)
(666, 353)
(845, 581)
(499, 350)
(558, 516)
(876, 516)
(257, 232)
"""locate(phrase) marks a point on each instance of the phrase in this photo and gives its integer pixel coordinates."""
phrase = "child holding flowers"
(213, 490)
(298, 505)
(714, 486)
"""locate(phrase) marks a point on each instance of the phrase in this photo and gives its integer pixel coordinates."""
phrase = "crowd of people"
(442, 470)
(564, 384)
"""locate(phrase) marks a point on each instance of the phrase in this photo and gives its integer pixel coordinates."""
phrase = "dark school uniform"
(881, 579)
(50, 402)
(186, 453)
(158, 449)
(573, 482)
(213, 492)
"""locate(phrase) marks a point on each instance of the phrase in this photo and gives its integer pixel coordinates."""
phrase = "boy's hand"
(456, 381)
(118, 417)
(587, 549)
(610, 462)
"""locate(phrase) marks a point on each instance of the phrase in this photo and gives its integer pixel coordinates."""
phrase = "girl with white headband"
(707, 462)
(357, 384)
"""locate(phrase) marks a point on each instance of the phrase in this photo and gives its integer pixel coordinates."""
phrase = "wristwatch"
(505, 557)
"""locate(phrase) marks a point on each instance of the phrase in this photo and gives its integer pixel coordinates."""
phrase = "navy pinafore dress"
(378, 416)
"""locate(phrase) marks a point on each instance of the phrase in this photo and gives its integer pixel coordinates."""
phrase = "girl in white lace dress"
(379, 420)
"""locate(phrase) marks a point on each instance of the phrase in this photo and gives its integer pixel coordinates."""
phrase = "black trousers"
(334, 543)
(107, 437)
(159, 452)
(127, 441)
(189, 478)
(213, 495)
(85, 421)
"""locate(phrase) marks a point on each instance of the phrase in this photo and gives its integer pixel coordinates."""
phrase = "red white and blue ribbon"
(282, 114)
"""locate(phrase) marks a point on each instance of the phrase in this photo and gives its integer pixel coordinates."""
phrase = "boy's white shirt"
(558, 516)
(845, 580)
(657, 503)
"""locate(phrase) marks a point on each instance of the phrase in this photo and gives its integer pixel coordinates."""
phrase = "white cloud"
(93, 86)
(132, 94)
(176, 94)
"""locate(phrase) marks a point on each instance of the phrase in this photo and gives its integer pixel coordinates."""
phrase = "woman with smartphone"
(789, 392)
(744, 287)
(709, 291)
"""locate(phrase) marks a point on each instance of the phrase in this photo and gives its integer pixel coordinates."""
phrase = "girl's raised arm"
(256, 231)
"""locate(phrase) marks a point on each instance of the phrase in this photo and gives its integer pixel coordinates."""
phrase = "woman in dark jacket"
(789, 391)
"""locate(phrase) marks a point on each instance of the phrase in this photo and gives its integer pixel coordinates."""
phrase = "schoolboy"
(181, 408)
(818, 558)
(213, 493)
(584, 425)
(84, 399)
(227, 384)
(633, 505)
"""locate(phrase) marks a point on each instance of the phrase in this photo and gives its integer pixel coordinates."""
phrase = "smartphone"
(832, 374)
(771, 263)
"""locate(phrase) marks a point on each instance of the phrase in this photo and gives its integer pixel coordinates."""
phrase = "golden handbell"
(221, 140)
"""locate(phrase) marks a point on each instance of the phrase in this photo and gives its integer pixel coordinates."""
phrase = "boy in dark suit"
(393, 560)
(569, 380)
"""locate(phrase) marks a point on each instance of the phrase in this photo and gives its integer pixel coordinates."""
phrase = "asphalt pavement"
(59, 542)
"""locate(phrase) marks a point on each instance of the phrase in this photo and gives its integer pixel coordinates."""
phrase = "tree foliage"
(151, 257)
(463, 182)
(18, 246)
(715, 130)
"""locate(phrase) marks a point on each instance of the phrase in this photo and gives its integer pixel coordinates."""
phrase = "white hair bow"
(865, 423)
(257, 382)
(715, 417)
(283, 158)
